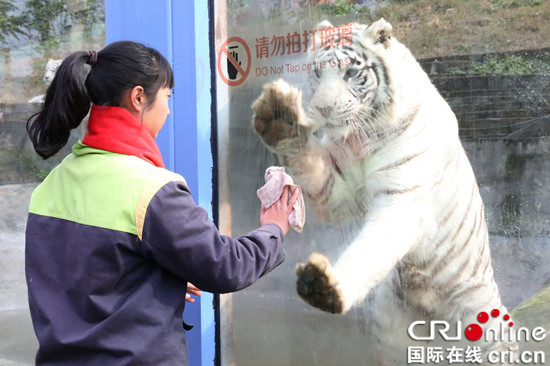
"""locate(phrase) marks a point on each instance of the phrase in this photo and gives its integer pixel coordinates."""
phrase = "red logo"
(474, 331)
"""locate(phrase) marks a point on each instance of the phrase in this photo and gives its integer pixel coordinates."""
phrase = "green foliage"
(42, 174)
(507, 65)
(515, 3)
(47, 18)
(339, 8)
(45, 21)
(92, 14)
(9, 25)
(463, 48)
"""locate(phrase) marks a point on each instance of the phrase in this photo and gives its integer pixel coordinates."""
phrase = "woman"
(113, 238)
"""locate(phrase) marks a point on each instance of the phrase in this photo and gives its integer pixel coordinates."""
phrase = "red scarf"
(115, 129)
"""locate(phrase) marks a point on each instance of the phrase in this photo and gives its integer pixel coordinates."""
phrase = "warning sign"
(234, 61)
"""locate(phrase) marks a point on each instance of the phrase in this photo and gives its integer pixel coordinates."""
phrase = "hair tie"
(93, 58)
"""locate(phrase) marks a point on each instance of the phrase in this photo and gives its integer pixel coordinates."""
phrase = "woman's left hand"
(192, 290)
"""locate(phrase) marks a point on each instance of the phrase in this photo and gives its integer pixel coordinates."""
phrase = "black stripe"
(457, 233)
(466, 215)
(457, 187)
(386, 77)
(429, 262)
(374, 68)
(400, 162)
(482, 223)
(487, 265)
(405, 123)
(461, 268)
(462, 292)
(446, 257)
(323, 195)
(398, 191)
(467, 241)
(479, 260)
(445, 238)
(479, 222)
(450, 255)
(484, 244)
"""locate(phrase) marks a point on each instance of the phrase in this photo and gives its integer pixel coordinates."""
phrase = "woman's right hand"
(279, 212)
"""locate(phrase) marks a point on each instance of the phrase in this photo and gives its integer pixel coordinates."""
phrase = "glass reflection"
(34, 36)
(491, 71)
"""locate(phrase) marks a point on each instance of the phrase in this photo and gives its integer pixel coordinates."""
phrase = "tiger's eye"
(350, 73)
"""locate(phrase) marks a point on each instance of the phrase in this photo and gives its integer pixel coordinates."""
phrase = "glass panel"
(489, 60)
(34, 36)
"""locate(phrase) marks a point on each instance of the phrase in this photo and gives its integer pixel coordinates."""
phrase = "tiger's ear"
(380, 32)
(325, 24)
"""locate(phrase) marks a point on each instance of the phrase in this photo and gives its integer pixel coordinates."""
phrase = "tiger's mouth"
(338, 131)
(335, 124)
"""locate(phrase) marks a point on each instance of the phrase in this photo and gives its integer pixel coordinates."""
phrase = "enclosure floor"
(18, 344)
(285, 332)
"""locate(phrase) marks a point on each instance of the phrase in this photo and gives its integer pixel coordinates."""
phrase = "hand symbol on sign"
(231, 69)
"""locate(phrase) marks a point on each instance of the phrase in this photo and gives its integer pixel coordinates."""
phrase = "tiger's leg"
(390, 232)
(318, 285)
(279, 121)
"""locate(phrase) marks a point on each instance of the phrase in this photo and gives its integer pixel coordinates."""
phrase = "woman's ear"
(137, 99)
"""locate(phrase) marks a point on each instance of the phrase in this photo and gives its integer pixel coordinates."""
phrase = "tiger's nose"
(325, 111)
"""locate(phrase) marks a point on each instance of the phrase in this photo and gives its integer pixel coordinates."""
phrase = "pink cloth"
(275, 180)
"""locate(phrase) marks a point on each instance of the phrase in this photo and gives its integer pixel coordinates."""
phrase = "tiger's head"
(51, 69)
(349, 80)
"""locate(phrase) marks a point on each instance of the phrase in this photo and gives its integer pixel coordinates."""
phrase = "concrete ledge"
(18, 344)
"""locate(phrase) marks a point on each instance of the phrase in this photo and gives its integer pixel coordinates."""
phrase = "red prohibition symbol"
(234, 73)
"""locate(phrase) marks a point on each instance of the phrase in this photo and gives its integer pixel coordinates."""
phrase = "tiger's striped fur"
(378, 141)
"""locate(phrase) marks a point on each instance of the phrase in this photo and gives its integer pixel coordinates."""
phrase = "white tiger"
(49, 73)
(378, 141)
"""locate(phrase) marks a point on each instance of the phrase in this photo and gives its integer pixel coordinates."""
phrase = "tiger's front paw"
(318, 286)
(278, 117)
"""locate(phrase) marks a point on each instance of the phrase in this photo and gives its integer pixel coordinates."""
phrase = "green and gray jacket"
(111, 243)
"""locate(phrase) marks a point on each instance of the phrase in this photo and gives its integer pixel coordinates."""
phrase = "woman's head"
(123, 65)
(115, 71)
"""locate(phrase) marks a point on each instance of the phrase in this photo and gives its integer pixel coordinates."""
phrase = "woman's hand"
(279, 212)
(192, 290)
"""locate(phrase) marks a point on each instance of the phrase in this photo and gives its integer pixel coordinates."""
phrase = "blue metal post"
(179, 30)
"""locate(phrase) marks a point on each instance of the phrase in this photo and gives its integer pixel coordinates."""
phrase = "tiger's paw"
(278, 117)
(318, 286)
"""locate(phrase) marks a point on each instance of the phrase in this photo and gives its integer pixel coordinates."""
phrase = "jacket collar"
(115, 129)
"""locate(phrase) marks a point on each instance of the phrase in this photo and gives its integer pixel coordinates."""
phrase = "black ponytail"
(115, 70)
(65, 105)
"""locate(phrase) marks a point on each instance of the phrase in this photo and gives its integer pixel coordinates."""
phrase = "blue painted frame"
(179, 29)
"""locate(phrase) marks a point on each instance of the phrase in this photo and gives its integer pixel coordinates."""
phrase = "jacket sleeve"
(181, 238)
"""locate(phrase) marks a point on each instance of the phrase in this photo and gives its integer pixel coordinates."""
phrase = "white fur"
(51, 69)
(393, 157)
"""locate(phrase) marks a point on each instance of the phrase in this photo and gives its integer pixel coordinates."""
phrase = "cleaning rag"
(275, 180)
